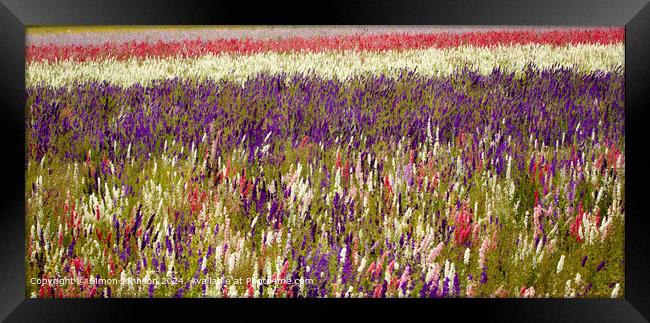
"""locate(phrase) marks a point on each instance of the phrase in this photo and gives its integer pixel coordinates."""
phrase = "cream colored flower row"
(335, 64)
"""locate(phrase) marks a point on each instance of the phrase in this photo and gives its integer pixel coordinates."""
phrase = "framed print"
(363, 161)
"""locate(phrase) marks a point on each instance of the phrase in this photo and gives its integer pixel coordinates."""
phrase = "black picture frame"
(16, 14)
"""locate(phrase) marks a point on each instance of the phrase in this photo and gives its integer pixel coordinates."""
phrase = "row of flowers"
(336, 65)
(314, 44)
(497, 184)
(137, 34)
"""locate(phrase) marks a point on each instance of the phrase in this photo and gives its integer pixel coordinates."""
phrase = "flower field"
(326, 163)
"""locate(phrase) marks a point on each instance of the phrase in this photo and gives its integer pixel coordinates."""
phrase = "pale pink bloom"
(471, 290)
(435, 252)
(358, 171)
(500, 293)
(483, 252)
(549, 211)
(405, 277)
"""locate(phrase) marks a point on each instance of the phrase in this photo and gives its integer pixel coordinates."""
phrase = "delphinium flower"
(600, 266)
(466, 256)
(484, 277)
(615, 291)
(560, 265)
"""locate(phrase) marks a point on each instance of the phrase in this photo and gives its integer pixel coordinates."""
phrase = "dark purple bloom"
(456, 285)
(600, 266)
(484, 277)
